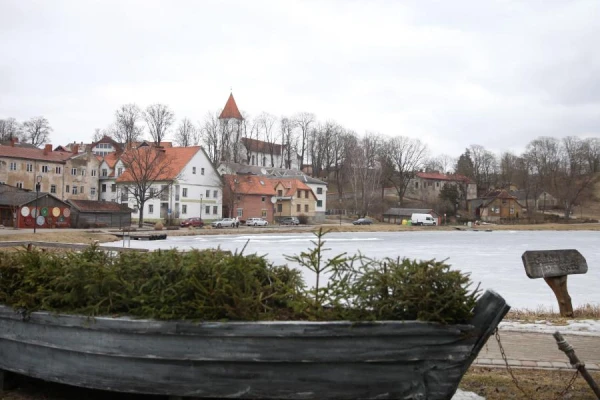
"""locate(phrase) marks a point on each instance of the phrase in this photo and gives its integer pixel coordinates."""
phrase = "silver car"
(224, 223)
(256, 222)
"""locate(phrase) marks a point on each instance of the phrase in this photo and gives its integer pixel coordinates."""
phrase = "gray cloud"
(496, 73)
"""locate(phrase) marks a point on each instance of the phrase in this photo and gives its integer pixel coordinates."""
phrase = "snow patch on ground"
(584, 327)
(461, 395)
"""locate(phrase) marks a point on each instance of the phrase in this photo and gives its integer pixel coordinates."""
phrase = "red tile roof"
(164, 164)
(291, 185)
(443, 177)
(231, 109)
(259, 146)
(111, 159)
(34, 154)
(250, 184)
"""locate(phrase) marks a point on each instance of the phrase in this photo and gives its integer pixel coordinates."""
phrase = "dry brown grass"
(587, 311)
(496, 384)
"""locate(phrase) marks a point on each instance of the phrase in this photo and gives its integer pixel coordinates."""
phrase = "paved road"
(539, 350)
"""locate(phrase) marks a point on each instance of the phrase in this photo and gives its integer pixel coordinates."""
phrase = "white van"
(422, 219)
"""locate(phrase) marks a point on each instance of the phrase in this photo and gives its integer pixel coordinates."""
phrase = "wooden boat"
(267, 360)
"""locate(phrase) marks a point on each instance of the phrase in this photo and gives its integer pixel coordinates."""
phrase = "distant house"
(318, 186)
(86, 214)
(531, 201)
(396, 215)
(294, 198)
(248, 196)
(495, 206)
(426, 186)
(22, 209)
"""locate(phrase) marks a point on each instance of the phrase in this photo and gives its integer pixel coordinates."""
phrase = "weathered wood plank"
(551, 263)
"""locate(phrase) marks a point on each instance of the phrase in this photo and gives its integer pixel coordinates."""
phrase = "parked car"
(225, 223)
(256, 222)
(422, 219)
(362, 221)
(289, 221)
(195, 222)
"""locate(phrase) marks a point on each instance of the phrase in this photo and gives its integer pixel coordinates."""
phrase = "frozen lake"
(492, 258)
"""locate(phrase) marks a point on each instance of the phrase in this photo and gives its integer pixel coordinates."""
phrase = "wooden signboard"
(549, 263)
(554, 266)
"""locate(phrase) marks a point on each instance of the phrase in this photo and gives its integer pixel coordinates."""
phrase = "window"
(68, 189)
(30, 167)
(416, 185)
(58, 170)
(152, 193)
(207, 194)
(13, 166)
(119, 171)
(194, 170)
(201, 171)
(239, 198)
(252, 160)
(306, 208)
(215, 210)
(306, 194)
(45, 169)
(215, 194)
(93, 191)
(20, 185)
(299, 194)
(73, 171)
(263, 198)
(113, 188)
(512, 210)
(240, 212)
(81, 189)
(93, 172)
(429, 184)
(279, 207)
(74, 189)
(82, 171)
(184, 209)
(280, 193)
(319, 203)
(319, 190)
(104, 172)
(437, 184)
(263, 213)
(264, 161)
(184, 192)
(52, 188)
(103, 188)
(298, 207)
(150, 208)
(207, 210)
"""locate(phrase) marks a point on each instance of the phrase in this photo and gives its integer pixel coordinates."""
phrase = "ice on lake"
(492, 258)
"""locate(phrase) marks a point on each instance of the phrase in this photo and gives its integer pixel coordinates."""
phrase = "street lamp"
(38, 184)
(201, 206)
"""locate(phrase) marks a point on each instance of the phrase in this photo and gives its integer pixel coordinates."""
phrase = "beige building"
(66, 175)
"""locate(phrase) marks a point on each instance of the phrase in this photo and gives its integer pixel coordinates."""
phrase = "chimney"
(13, 140)
(75, 149)
(47, 149)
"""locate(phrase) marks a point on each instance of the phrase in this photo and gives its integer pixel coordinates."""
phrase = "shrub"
(158, 226)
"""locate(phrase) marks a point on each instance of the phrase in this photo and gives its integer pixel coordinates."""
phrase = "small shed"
(99, 214)
(21, 209)
(396, 215)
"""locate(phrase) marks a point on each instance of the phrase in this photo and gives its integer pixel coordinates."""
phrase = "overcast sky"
(452, 73)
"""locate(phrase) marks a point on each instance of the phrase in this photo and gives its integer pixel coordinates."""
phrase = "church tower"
(231, 125)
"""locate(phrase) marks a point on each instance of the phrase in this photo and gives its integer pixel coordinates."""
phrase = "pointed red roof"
(231, 109)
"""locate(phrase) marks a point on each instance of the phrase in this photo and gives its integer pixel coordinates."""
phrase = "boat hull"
(268, 360)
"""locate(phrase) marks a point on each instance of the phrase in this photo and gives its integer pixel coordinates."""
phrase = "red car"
(195, 222)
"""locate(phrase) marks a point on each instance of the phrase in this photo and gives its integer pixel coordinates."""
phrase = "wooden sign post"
(554, 266)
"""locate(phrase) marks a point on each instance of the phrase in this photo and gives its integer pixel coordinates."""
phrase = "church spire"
(231, 110)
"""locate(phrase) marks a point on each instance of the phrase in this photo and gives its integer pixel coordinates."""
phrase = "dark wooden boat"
(268, 360)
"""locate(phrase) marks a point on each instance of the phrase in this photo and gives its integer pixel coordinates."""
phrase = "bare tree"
(485, 167)
(211, 137)
(304, 121)
(149, 172)
(10, 128)
(442, 163)
(266, 122)
(37, 130)
(159, 118)
(187, 134)
(289, 142)
(363, 170)
(406, 155)
(126, 129)
(98, 134)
